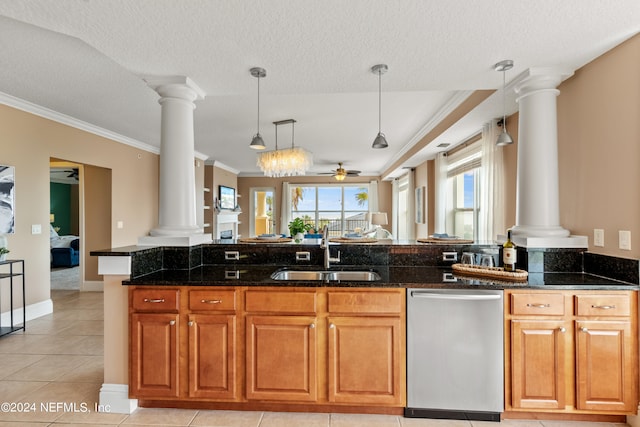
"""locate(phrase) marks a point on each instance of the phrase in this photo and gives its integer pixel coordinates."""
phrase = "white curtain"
(411, 205)
(440, 184)
(373, 196)
(285, 208)
(491, 219)
(395, 184)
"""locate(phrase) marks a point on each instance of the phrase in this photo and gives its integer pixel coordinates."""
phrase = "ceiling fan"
(69, 173)
(341, 173)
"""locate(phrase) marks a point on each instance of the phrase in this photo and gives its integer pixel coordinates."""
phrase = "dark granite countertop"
(391, 276)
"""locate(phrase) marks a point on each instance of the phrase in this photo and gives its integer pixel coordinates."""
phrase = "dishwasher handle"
(469, 297)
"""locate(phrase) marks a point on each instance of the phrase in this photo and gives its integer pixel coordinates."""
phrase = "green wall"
(60, 206)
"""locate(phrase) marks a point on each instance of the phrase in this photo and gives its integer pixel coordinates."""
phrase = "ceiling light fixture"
(257, 143)
(286, 162)
(381, 140)
(341, 173)
(504, 138)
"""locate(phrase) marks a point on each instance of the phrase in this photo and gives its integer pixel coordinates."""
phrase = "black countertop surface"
(390, 276)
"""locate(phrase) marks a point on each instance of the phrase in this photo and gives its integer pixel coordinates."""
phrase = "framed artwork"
(420, 207)
(7, 199)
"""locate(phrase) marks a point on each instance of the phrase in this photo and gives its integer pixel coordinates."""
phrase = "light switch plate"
(598, 237)
(120, 225)
(36, 229)
(624, 240)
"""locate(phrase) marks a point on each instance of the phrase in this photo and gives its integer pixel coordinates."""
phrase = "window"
(463, 177)
(343, 208)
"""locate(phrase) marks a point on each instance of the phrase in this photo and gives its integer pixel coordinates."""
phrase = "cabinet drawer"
(602, 305)
(538, 304)
(156, 300)
(286, 301)
(212, 300)
(365, 302)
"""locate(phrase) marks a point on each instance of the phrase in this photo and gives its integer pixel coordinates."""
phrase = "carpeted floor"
(65, 278)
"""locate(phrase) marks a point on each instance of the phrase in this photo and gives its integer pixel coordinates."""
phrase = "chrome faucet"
(324, 244)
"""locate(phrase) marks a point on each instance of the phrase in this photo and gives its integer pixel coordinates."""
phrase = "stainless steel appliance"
(455, 364)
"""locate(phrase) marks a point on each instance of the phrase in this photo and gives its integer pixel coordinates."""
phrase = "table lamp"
(378, 219)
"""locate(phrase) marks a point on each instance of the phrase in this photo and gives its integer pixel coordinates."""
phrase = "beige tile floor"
(58, 359)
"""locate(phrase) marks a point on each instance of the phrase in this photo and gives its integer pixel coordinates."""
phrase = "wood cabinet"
(571, 351)
(281, 358)
(247, 347)
(366, 348)
(158, 349)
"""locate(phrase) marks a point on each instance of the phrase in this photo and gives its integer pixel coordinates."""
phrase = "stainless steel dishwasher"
(455, 362)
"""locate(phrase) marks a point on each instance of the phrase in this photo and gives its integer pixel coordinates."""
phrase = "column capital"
(181, 87)
(540, 78)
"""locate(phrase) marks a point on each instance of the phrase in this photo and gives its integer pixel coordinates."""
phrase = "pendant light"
(257, 143)
(285, 162)
(381, 140)
(504, 138)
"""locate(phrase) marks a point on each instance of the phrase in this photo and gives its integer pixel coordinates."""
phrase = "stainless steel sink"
(326, 275)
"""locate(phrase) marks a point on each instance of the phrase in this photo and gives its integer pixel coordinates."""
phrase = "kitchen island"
(325, 345)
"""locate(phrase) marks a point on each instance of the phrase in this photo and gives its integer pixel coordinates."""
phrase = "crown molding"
(29, 107)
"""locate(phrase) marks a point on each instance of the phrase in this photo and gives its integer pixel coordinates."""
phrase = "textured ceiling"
(87, 58)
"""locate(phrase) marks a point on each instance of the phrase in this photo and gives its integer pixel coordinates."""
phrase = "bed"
(65, 250)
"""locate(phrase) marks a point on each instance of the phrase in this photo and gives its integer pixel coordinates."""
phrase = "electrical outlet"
(624, 240)
(598, 237)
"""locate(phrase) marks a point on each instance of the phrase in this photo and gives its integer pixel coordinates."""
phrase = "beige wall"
(28, 142)
(245, 183)
(599, 148)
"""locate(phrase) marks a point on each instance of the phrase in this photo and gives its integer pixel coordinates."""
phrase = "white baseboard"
(92, 286)
(34, 311)
(114, 398)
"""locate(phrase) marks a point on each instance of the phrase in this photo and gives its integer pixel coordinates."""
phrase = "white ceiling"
(87, 59)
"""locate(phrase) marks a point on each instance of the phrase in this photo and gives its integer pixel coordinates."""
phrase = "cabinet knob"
(583, 329)
(562, 329)
(190, 323)
(332, 326)
(313, 325)
(173, 322)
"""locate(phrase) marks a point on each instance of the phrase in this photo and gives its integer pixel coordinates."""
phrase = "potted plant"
(297, 228)
(3, 253)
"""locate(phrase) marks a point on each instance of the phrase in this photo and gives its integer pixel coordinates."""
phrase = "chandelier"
(286, 162)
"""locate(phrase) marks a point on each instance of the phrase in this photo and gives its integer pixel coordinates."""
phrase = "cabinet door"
(154, 355)
(605, 376)
(538, 365)
(212, 356)
(366, 355)
(281, 358)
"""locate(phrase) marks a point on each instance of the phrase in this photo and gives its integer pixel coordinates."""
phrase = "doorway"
(262, 210)
(80, 223)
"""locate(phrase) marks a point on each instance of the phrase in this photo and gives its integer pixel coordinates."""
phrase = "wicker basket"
(490, 272)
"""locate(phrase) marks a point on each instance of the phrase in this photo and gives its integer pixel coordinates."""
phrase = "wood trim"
(272, 407)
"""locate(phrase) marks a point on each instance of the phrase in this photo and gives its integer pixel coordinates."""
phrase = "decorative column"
(537, 198)
(177, 224)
